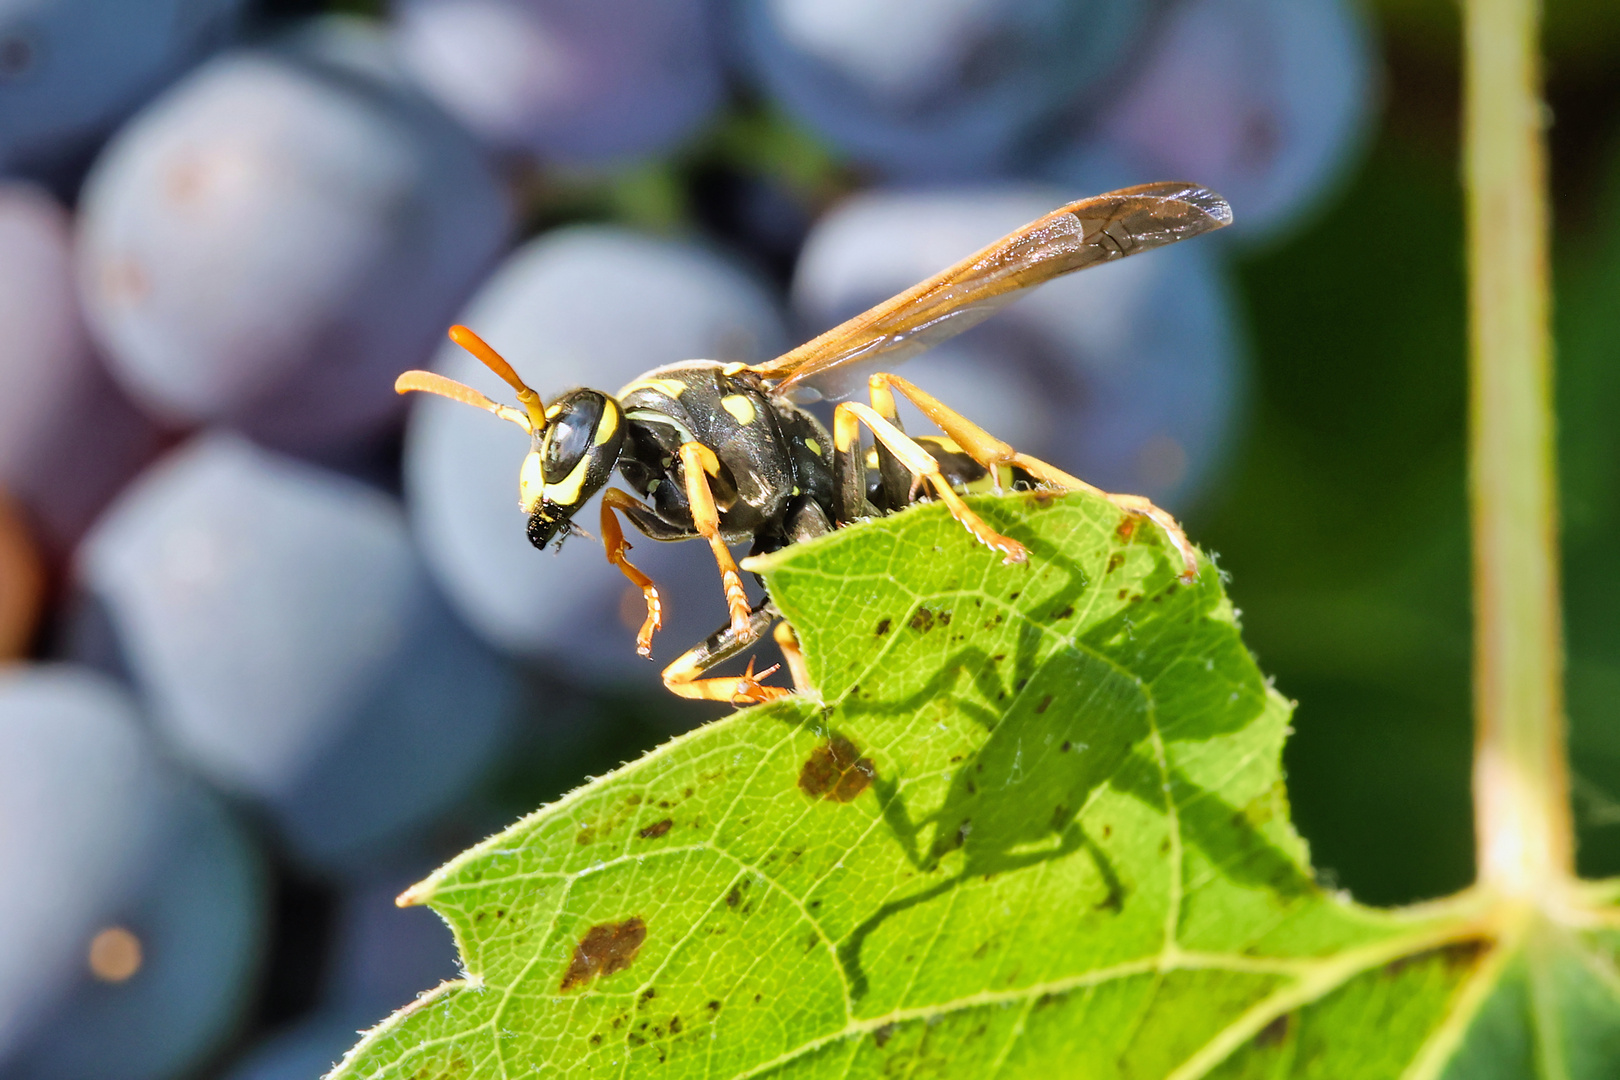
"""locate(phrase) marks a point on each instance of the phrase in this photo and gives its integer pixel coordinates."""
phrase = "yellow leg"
(614, 543)
(846, 440)
(700, 463)
(991, 453)
(788, 642)
(681, 678)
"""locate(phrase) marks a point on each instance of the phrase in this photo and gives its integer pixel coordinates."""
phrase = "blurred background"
(272, 642)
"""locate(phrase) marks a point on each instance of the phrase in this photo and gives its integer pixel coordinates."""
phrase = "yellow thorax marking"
(815, 447)
(670, 388)
(740, 407)
(607, 425)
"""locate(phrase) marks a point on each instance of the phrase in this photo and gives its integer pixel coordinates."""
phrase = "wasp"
(727, 453)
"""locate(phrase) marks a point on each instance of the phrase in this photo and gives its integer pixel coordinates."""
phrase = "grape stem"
(1521, 774)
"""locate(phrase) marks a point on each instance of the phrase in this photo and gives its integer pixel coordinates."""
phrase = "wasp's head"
(574, 442)
(569, 461)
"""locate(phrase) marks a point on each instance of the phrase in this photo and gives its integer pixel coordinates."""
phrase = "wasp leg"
(991, 452)
(614, 543)
(699, 464)
(847, 444)
(788, 642)
(683, 676)
(899, 485)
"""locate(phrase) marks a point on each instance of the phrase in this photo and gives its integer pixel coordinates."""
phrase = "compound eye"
(569, 435)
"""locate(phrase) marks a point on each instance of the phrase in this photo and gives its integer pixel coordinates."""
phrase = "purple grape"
(292, 649)
(1261, 100)
(594, 306)
(129, 955)
(68, 438)
(579, 81)
(70, 69)
(945, 90)
(275, 237)
(1126, 374)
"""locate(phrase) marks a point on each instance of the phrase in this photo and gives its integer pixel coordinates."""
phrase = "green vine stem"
(1521, 780)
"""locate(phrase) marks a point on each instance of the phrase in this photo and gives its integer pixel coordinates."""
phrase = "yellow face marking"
(670, 388)
(739, 407)
(607, 425)
(565, 492)
(551, 413)
(815, 447)
(530, 483)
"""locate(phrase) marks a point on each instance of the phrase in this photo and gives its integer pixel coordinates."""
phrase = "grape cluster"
(274, 640)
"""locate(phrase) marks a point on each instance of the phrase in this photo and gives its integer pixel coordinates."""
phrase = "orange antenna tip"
(430, 383)
(493, 360)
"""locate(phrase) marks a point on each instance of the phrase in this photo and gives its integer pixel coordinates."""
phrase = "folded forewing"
(1070, 238)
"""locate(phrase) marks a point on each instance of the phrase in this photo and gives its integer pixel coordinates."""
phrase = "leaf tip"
(414, 896)
(758, 564)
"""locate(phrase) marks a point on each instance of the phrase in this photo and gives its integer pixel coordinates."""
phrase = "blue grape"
(304, 1052)
(116, 843)
(947, 90)
(594, 306)
(291, 648)
(1262, 100)
(68, 437)
(1128, 374)
(267, 243)
(386, 955)
(577, 81)
(382, 958)
(70, 69)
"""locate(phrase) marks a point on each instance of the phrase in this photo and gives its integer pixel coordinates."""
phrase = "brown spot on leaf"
(836, 771)
(922, 621)
(656, 829)
(1066, 613)
(674, 1025)
(1066, 747)
(1045, 701)
(1127, 526)
(882, 627)
(1274, 1032)
(882, 1035)
(605, 949)
(1457, 955)
(1115, 561)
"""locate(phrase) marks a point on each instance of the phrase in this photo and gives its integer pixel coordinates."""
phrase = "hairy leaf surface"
(1034, 823)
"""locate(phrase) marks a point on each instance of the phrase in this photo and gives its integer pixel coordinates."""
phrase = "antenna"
(495, 362)
(431, 383)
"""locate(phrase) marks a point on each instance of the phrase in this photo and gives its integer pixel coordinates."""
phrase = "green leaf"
(1035, 824)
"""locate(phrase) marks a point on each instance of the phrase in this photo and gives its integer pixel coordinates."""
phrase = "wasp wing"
(1070, 238)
